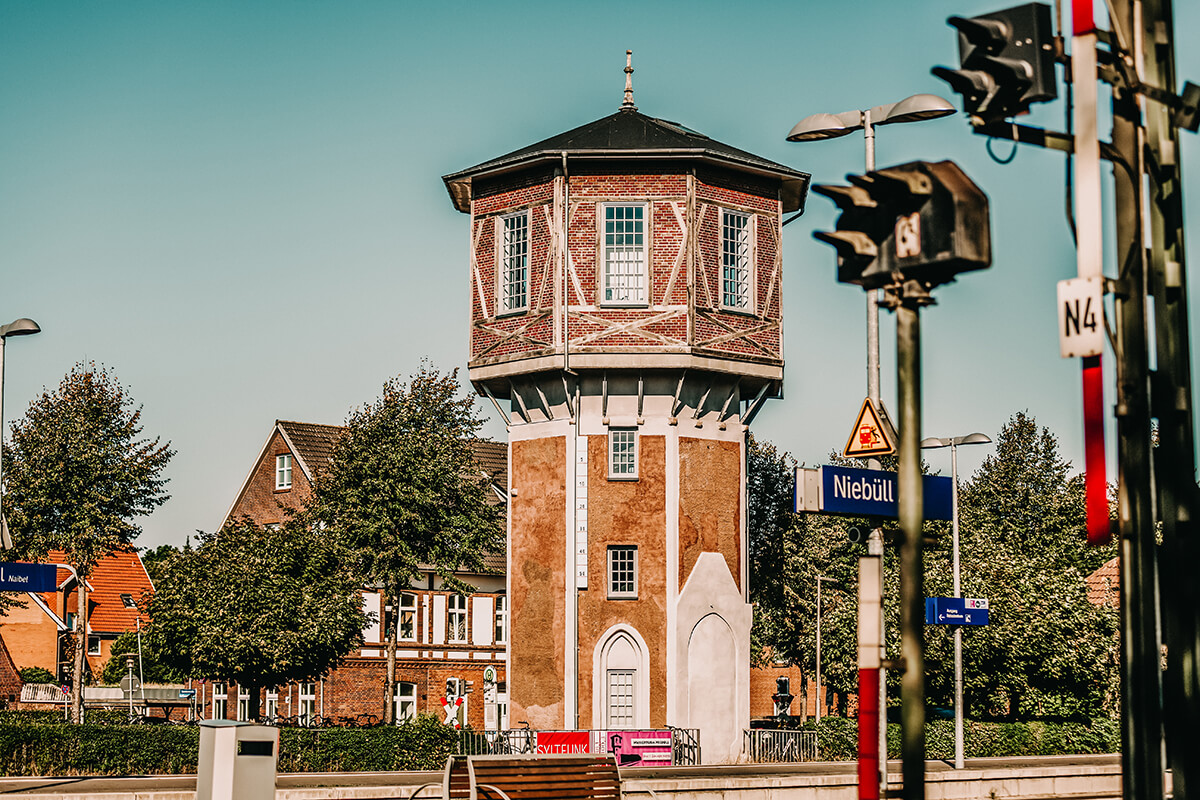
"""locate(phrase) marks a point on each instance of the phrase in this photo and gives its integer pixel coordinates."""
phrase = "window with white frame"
(622, 571)
(283, 471)
(622, 453)
(620, 698)
(93, 645)
(243, 711)
(623, 248)
(736, 258)
(271, 705)
(407, 621)
(501, 619)
(308, 701)
(220, 698)
(514, 263)
(406, 701)
(458, 619)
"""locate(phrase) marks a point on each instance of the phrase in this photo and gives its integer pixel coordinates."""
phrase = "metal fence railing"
(764, 746)
(684, 744)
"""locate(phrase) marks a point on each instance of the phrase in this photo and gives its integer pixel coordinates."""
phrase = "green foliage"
(403, 488)
(152, 559)
(37, 675)
(37, 743)
(259, 606)
(77, 473)
(153, 670)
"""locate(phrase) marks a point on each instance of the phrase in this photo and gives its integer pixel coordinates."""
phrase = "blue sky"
(238, 207)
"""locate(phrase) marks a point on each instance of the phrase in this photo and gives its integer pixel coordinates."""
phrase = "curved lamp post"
(19, 327)
(953, 444)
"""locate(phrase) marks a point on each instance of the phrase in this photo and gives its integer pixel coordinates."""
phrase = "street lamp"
(916, 108)
(820, 694)
(19, 327)
(953, 444)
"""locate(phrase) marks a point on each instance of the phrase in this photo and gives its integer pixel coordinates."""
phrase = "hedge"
(837, 738)
(39, 743)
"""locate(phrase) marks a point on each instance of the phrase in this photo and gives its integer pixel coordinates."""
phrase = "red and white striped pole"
(870, 612)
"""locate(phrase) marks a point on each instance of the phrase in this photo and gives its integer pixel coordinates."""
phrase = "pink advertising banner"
(641, 748)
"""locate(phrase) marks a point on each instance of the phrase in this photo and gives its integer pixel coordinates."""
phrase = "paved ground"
(139, 784)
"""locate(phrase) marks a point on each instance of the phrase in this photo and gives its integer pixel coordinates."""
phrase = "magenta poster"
(641, 748)
(563, 741)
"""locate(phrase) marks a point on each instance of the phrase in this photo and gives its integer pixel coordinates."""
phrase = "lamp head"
(820, 126)
(916, 108)
(21, 327)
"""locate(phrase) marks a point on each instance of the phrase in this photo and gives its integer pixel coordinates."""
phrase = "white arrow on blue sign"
(956, 611)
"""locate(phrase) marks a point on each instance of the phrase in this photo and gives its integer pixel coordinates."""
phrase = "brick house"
(34, 634)
(444, 637)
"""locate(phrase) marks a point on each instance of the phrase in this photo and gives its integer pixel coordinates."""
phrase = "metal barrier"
(685, 743)
(765, 746)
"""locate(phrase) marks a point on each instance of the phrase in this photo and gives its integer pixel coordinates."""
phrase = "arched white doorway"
(621, 680)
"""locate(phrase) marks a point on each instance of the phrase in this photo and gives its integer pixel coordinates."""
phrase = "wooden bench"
(529, 777)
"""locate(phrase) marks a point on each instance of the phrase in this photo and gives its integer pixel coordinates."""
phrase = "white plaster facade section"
(439, 619)
(482, 621)
(712, 678)
(372, 630)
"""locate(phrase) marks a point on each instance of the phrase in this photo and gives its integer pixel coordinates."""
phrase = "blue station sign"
(956, 611)
(872, 493)
(16, 576)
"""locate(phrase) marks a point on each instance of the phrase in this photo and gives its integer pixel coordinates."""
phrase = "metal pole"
(820, 694)
(912, 585)
(958, 665)
(1141, 713)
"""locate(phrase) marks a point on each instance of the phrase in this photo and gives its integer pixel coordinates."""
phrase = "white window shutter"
(371, 632)
(439, 619)
(482, 621)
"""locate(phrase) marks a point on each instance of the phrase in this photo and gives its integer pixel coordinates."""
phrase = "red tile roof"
(1104, 585)
(117, 574)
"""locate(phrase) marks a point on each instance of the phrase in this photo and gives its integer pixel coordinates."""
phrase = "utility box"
(237, 761)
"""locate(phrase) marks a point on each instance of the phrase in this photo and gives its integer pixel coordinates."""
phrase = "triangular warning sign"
(869, 437)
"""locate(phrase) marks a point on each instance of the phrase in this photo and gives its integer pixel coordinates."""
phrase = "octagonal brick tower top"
(664, 243)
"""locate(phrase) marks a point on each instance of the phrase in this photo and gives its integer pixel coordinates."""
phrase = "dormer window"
(283, 472)
(736, 258)
(623, 251)
(514, 263)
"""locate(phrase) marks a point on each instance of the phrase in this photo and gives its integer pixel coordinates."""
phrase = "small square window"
(622, 571)
(622, 454)
(127, 600)
(93, 645)
(283, 471)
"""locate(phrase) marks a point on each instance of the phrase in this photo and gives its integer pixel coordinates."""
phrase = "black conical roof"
(633, 135)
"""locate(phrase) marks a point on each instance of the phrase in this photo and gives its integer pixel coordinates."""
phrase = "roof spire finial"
(627, 104)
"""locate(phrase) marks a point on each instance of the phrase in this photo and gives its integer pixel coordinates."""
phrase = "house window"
(458, 618)
(514, 263)
(127, 600)
(72, 619)
(407, 620)
(620, 698)
(622, 571)
(736, 237)
(501, 619)
(271, 706)
(622, 453)
(283, 471)
(220, 698)
(406, 701)
(308, 701)
(243, 713)
(623, 244)
(93, 645)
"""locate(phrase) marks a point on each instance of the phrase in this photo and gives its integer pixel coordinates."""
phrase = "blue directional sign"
(16, 576)
(872, 493)
(956, 611)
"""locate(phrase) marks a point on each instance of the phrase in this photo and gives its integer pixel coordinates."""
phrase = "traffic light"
(923, 221)
(1007, 60)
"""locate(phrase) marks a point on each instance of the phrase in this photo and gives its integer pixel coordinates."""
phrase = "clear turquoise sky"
(238, 206)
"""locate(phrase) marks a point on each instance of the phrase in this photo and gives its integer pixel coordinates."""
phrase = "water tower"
(625, 316)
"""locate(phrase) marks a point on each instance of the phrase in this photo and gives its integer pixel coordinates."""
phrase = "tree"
(149, 666)
(153, 559)
(77, 474)
(403, 490)
(258, 606)
(1047, 651)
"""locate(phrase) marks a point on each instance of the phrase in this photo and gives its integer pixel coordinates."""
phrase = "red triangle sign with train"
(870, 436)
